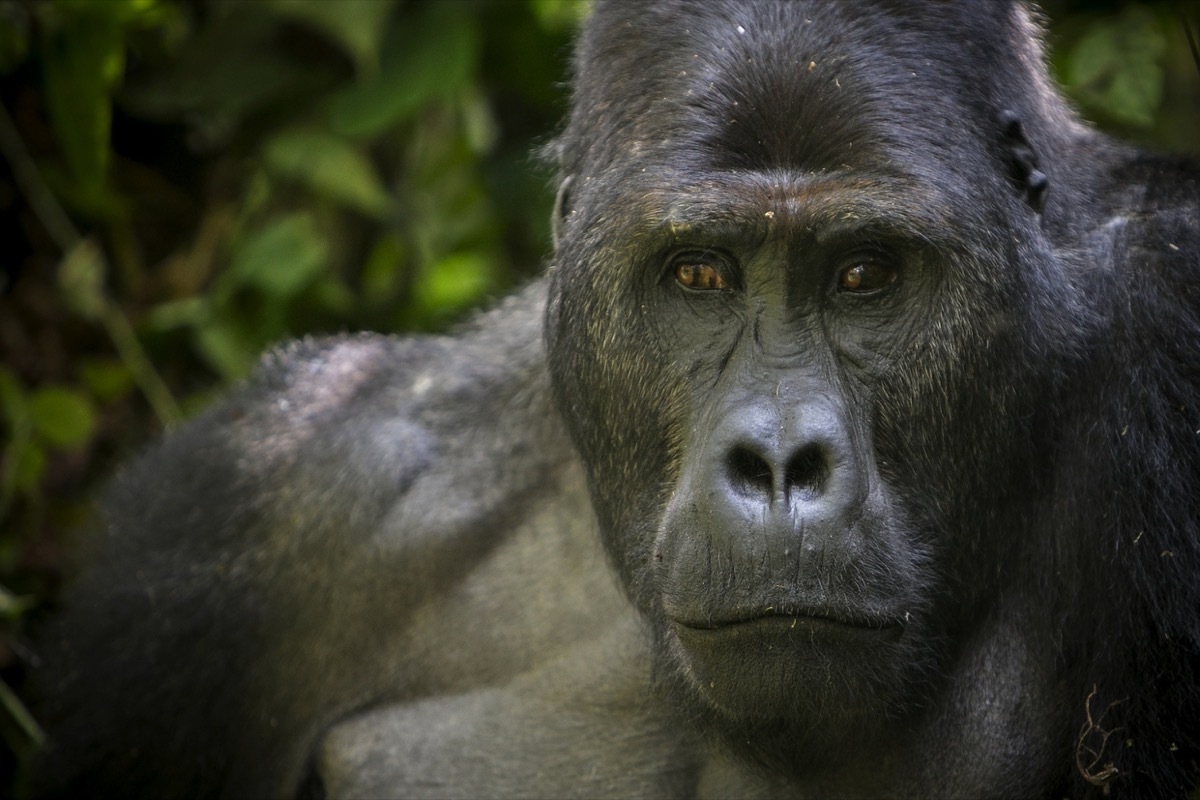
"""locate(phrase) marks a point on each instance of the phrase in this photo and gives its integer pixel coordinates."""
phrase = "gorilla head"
(805, 327)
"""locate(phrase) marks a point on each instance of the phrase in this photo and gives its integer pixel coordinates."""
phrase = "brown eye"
(865, 277)
(698, 276)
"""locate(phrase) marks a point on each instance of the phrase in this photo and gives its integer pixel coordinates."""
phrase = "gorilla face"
(790, 339)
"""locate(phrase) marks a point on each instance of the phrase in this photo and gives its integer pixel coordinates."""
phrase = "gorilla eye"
(698, 275)
(865, 277)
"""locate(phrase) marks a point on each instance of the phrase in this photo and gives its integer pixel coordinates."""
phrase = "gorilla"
(849, 447)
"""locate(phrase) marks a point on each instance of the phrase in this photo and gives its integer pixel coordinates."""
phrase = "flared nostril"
(749, 473)
(752, 475)
(806, 473)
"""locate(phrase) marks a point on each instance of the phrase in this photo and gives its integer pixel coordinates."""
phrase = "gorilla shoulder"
(346, 476)
(338, 431)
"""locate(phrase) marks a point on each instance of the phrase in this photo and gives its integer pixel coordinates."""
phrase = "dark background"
(185, 182)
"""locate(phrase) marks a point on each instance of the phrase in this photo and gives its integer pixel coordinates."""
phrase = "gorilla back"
(848, 448)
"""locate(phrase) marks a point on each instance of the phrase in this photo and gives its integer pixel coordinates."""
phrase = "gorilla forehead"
(748, 207)
(787, 83)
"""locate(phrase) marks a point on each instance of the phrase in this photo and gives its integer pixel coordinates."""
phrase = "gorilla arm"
(583, 724)
(366, 521)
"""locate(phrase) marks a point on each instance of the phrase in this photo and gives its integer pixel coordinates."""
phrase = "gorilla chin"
(809, 667)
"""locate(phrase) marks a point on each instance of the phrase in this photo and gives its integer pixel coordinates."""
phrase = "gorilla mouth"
(816, 624)
(793, 655)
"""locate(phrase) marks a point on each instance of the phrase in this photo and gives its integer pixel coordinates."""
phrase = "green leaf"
(424, 58)
(82, 58)
(13, 606)
(281, 259)
(81, 280)
(232, 67)
(331, 166)
(357, 25)
(62, 417)
(557, 15)
(124, 11)
(383, 272)
(22, 733)
(479, 125)
(186, 313)
(106, 379)
(226, 349)
(330, 293)
(1116, 67)
(455, 282)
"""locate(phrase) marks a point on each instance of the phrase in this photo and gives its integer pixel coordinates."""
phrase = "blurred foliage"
(1129, 68)
(185, 182)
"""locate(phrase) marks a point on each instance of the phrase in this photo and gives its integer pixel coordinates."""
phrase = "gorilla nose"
(793, 463)
(775, 474)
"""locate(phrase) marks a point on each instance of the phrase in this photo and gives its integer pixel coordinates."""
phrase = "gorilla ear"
(1023, 162)
(562, 207)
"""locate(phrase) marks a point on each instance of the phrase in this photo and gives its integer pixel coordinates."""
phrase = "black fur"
(904, 503)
